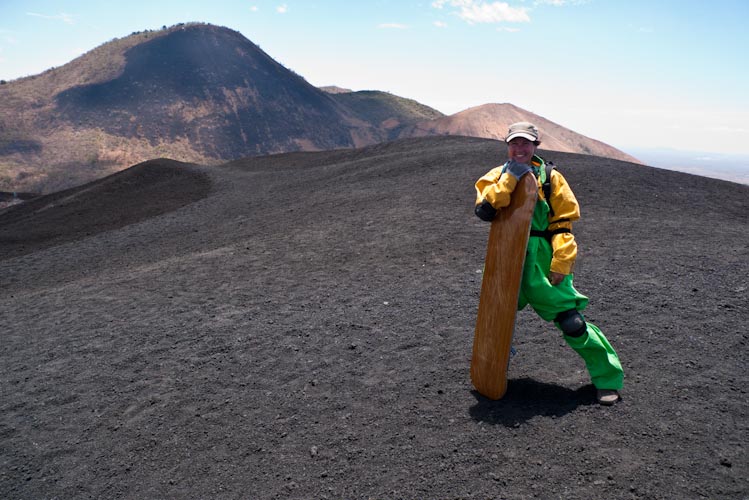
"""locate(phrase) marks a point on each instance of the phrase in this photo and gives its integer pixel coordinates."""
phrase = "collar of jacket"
(538, 164)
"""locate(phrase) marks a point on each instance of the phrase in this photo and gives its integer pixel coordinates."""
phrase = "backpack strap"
(546, 187)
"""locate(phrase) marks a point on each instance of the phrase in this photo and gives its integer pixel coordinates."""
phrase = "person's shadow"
(527, 398)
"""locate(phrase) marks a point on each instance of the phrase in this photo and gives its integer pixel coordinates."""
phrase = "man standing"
(547, 276)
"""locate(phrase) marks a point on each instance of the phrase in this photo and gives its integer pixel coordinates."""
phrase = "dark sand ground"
(300, 326)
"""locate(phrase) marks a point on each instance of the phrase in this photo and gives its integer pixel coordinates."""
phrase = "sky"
(635, 74)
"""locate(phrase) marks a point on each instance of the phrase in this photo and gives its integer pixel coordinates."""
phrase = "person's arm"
(493, 190)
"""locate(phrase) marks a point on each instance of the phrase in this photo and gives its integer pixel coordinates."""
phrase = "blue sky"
(632, 73)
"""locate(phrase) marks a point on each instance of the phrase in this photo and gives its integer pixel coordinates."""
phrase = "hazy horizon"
(729, 167)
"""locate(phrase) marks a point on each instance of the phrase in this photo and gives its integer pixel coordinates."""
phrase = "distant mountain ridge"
(206, 94)
(491, 121)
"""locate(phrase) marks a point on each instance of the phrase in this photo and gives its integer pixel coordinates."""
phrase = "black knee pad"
(572, 323)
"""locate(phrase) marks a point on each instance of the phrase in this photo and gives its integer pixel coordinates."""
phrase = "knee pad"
(572, 323)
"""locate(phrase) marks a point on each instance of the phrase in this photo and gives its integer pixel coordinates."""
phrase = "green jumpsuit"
(549, 300)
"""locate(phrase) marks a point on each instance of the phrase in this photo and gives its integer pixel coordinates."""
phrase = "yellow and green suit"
(552, 248)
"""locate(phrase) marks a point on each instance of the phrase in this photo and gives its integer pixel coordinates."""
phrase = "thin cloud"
(440, 24)
(473, 11)
(392, 26)
(9, 39)
(560, 3)
(507, 29)
(282, 9)
(66, 18)
(641, 29)
(254, 8)
(730, 130)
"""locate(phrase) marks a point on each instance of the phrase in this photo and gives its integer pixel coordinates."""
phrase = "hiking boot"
(607, 397)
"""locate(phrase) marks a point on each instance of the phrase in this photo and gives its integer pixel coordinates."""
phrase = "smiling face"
(521, 150)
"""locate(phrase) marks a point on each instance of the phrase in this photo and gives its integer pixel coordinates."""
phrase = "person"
(547, 281)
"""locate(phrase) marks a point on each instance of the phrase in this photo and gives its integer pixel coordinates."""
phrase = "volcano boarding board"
(500, 287)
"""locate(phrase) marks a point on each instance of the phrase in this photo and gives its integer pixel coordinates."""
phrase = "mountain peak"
(492, 120)
(211, 87)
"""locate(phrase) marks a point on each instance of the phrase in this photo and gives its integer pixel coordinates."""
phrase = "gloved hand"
(555, 278)
(485, 211)
(517, 170)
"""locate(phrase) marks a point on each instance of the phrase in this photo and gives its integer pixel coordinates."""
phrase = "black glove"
(517, 170)
(485, 211)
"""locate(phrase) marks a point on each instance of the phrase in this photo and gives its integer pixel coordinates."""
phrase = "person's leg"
(589, 342)
(561, 304)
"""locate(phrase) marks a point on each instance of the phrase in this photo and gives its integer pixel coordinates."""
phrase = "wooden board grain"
(503, 269)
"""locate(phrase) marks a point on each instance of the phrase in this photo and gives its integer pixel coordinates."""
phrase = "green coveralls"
(549, 300)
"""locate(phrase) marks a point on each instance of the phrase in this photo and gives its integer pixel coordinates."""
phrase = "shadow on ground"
(527, 398)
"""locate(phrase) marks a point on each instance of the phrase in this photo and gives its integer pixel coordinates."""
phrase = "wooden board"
(500, 287)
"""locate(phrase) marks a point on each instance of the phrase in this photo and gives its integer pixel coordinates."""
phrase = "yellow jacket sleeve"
(495, 188)
(566, 211)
